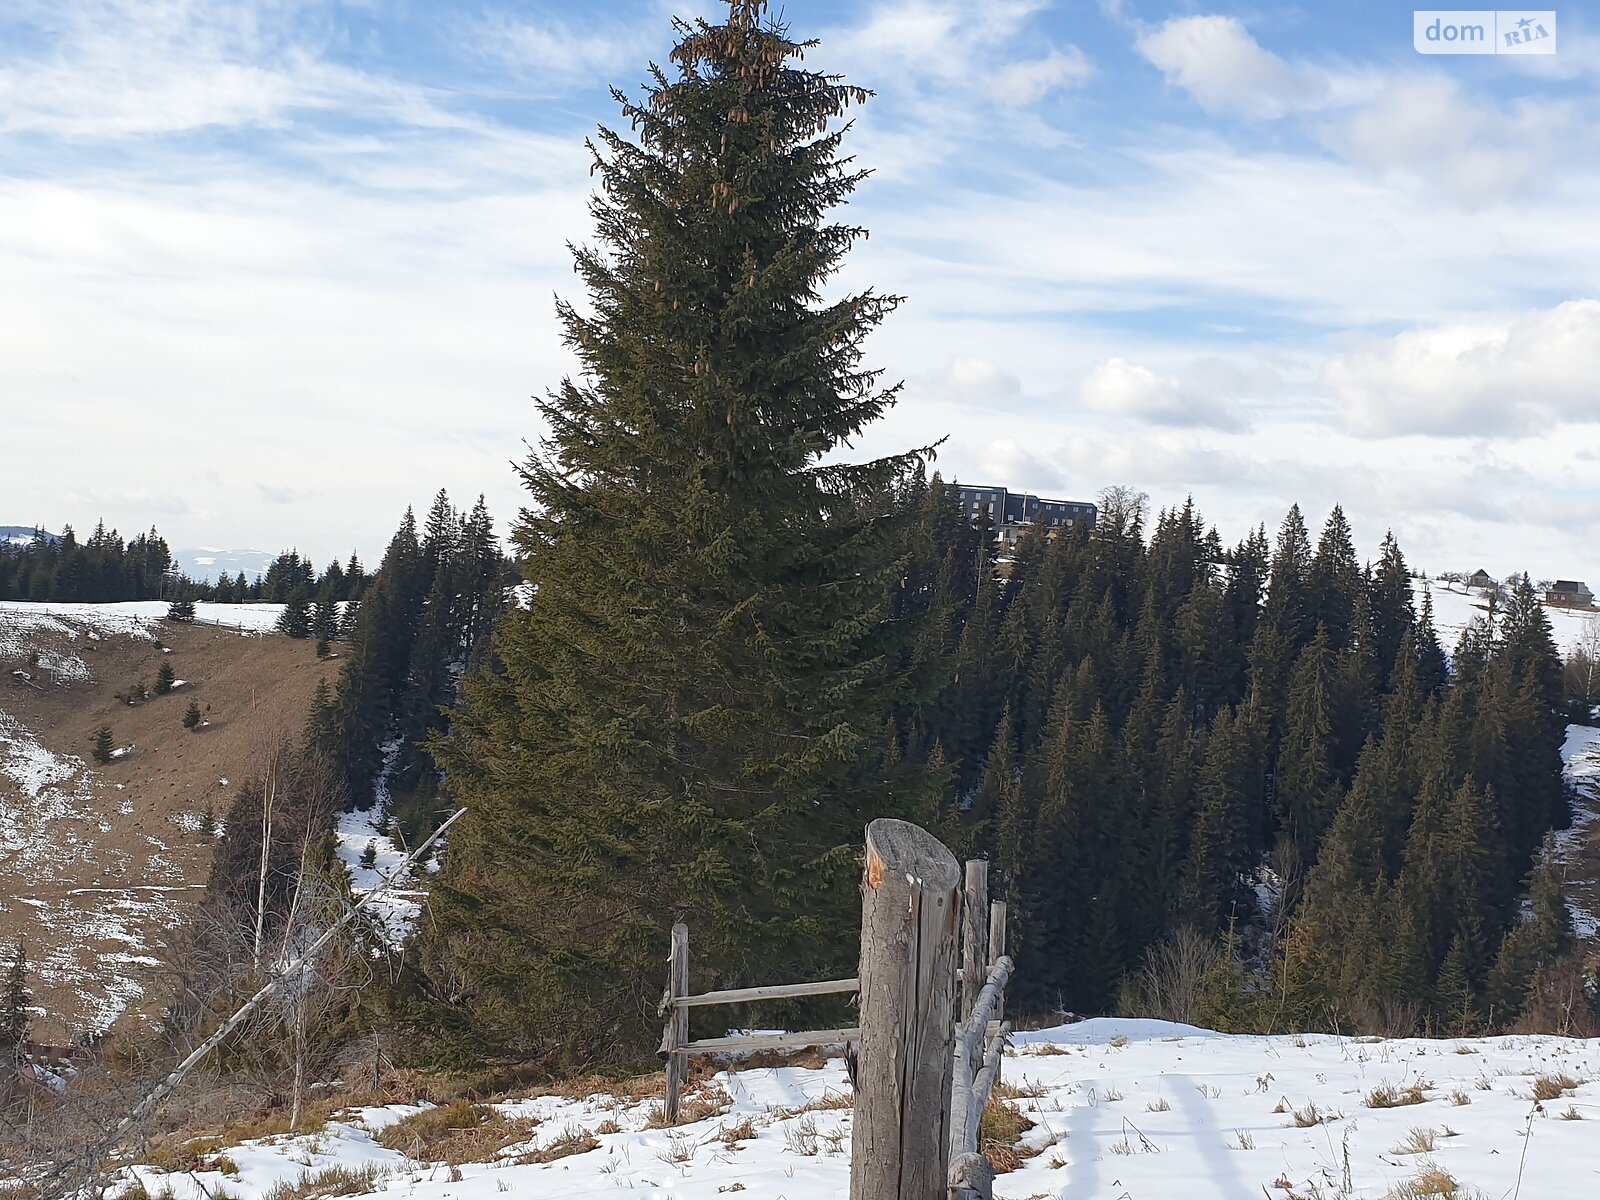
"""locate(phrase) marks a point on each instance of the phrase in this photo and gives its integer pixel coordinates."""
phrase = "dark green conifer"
(691, 719)
(164, 678)
(295, 619)
(103, 745)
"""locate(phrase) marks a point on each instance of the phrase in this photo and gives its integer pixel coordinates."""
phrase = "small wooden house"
(1569, 593)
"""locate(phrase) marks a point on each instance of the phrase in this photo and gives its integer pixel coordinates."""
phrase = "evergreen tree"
(191, 715)
(693, 708)
(103, 745)
(295, 619)
(1308, 791)
(181, 610)
(164, 678)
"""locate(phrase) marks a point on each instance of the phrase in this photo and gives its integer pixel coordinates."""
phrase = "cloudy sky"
(273, 270)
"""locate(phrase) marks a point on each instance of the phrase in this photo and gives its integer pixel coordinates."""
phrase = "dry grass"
(332, 1181)
(742, 1131)
(1458, 1098)
(1050, 1050)
(1118, 1042)
(696, 1106)
(1305, 1118)
(1553, 1087)
(573, 1140)
(1572, 1113)
(1432, 1182)
(1389, 1095)
(999, 1130)
(1159, 1104)
(1019, 1091)
(1419, 1141)
(456, 1133)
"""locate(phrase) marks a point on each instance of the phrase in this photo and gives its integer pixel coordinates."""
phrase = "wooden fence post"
(909, 917)
(677, 1032)
(974, 934)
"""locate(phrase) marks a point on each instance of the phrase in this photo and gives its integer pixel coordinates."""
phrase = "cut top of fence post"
(911, 852)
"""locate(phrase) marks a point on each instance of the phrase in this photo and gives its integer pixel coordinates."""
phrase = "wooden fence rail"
(932, 990)
(676, 1048)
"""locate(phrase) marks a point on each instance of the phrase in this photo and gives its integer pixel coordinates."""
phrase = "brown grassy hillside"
(97, 861)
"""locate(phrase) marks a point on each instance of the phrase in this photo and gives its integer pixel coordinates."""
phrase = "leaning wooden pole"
(910, 910)
(146, 1108)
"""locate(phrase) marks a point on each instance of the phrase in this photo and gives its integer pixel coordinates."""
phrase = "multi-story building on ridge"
(1011, 513)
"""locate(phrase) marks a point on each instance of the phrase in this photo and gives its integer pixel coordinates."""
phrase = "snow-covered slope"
(1141, 1110)
(141, 618)
(1455, 606)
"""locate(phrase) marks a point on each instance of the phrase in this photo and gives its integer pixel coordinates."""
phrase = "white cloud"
(978, 378)
(1521, 376)
(1431, 129)
(1024, 83)
(1216, 61)
(1121, 388)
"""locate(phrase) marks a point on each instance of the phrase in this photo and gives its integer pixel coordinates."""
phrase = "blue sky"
(275, 269)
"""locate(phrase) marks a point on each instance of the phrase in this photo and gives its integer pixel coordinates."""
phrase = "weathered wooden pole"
(677, 1032)
(997, 945)
(910, 910)
(974, 934)
(997, 951)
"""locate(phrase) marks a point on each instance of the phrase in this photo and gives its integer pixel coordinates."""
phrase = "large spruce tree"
(693, 719)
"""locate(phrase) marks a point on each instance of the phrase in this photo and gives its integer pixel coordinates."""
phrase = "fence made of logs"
(929, 1046)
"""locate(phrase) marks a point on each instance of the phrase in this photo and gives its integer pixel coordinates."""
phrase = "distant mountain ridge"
(21, 533)
(207, 562)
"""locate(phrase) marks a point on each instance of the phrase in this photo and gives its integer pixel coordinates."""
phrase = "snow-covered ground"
(1455, 605)
(396, 910)
(1141, 1110)
(144, 617)
(50, 820)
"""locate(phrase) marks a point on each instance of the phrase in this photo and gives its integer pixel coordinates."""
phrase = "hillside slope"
(97, 861)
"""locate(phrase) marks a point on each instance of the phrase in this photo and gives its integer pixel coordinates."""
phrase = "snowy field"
(1120, 1110)
(1455, 605)
(143, 617)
